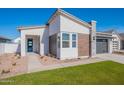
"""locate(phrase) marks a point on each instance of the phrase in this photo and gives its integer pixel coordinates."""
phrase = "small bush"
(14, 64)
(5, 71)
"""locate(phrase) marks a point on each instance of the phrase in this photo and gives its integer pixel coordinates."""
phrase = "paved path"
(40, 67)
(33, 62)
(35, 65)
(113, 57)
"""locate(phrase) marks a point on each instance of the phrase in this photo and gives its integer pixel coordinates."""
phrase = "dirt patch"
(47, 60)
(119, 52)
(12, 64)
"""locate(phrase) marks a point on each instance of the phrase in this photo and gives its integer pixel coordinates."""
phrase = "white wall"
(71, 26)
(9, 48)
(44, 42)
(69, 53)
(44, 39)
(54, 26)
(2, 48)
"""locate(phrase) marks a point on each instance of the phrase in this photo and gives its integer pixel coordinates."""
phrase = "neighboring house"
(4, 39)
(7, 46)
(65, 36)
(116, 40)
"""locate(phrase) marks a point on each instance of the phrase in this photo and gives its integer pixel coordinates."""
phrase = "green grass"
(106, 72)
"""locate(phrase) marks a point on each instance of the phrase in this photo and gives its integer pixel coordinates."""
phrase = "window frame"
(74, 40)
(65, 40)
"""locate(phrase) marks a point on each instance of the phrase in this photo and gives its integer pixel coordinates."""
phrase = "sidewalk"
(63, 64)
(33, 62)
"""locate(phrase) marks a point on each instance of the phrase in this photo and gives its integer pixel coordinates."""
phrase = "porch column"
(23, 43)
(93, 38)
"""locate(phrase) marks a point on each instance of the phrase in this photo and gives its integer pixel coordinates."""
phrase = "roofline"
(116, 33)
(60, 11)
(103, 33)
(1, 37)
(30, 27)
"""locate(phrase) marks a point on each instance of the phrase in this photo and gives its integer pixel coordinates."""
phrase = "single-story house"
(4, 39)
(65, 36)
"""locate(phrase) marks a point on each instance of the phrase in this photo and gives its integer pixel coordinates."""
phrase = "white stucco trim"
(30, 27)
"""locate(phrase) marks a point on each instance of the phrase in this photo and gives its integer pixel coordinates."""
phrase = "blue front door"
(30, 45)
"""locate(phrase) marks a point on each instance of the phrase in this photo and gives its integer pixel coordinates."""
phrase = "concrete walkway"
(113, 57)
(35, 65)
(33, 62)
(40, 67)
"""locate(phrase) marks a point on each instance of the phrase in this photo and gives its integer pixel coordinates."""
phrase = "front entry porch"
(33, 44)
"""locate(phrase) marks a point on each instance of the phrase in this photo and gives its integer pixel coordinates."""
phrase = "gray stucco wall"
(53, 44)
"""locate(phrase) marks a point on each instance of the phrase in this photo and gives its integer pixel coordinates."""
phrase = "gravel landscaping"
(101, 73)
(12, 64)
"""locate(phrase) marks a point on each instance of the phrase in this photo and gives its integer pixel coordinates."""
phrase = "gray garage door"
(101, 46)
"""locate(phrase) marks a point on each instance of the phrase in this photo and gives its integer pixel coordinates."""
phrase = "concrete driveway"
(113, 57)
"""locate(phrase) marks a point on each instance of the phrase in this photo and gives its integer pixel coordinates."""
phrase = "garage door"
(101, 46)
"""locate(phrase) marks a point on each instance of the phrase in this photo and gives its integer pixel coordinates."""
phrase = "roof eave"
(30, 27)
(62, 12)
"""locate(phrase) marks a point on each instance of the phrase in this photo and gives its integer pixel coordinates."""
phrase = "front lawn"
(106, 72)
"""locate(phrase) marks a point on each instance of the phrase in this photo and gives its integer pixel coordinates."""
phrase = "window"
(73, 36)
(73, 44)
(65, 44)
(74, 40)
(65, 36)
(65, 40)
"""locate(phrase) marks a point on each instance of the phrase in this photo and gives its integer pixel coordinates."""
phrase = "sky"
(11, 18)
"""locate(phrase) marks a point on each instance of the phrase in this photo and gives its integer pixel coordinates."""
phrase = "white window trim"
(74, 40)
(65, 40)
(70, 39)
